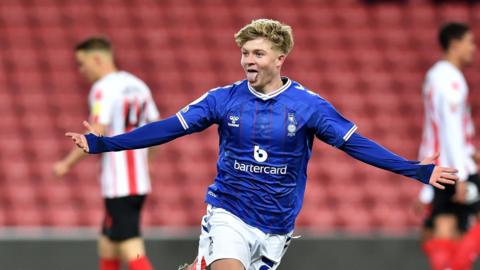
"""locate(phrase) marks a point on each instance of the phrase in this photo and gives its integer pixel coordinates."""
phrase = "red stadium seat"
(452, 12)
(390, 219)
(354, 218)
(422, 16)
(55, 193)
(388, 15)
(20, 195)
(15, 13)
(47, 15)
(319, 219)
(87, 195)
(92, 217)
(316, 193)
(16, 169)
(62, 216)
(26, 216)
(171, 216)
(353, 16)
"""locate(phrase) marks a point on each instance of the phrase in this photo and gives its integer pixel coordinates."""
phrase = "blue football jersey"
(265, 146)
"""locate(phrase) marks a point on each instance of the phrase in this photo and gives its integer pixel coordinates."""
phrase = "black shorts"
(475, 207)
(443, 204)
(122, 218)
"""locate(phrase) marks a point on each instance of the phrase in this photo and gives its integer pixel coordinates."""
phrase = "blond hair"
(276, 32)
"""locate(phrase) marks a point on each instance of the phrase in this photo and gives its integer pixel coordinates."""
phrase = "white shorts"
(225, 236)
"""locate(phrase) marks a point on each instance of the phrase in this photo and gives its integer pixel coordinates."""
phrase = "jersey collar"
(287, 83)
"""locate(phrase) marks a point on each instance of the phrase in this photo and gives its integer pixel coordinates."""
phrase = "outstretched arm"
(195, 117)
(372, 153)
(149, 135)
(63, 166)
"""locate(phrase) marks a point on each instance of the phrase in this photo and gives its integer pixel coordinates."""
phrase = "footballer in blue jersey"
(267, 125)
(265, 144)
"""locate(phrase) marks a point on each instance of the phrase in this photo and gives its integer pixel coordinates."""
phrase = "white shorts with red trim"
(225, 236)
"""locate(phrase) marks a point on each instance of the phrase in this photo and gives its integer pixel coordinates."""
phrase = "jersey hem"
(217, 203)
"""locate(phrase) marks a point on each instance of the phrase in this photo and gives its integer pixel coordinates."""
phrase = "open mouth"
(252, 75)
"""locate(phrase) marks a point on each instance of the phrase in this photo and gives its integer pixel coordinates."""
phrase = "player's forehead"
(257, 44)
(81, 54)
(468, 36)
(87, 54)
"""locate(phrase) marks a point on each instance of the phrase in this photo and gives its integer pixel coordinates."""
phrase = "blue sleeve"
(372, 153)
(329, 125)
(197, 116)
(201, 113)
(151, 134)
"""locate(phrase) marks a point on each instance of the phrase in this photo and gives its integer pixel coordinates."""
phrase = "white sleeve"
(470, 130)
(452, 135)
(101, 106)
(152, 112)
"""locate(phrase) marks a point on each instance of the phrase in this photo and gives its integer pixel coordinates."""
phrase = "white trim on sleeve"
(182, 120)
(349, 133)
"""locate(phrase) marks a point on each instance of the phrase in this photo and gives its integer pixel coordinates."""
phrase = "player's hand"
(443, 175)
(79, 139)
(440, 175)
(60, 168)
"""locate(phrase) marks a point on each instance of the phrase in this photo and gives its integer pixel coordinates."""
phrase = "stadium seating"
(369, 61)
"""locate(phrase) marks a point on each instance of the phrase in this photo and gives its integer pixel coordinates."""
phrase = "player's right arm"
(196, 117)
(101, 108)
(63, 166)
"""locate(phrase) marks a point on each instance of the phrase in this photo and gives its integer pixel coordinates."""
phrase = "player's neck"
(454, 60)
(273, 86)
(107, 71)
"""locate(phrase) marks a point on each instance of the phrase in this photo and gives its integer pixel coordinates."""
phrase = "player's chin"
(254, 82)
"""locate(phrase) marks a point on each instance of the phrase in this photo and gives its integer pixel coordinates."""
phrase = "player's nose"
(249, 59)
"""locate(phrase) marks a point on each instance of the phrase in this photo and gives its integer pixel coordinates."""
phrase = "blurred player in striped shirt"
(119, 102)
(448, 130)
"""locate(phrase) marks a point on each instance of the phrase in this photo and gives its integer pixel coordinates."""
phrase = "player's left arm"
(374, 154)
(331, 127)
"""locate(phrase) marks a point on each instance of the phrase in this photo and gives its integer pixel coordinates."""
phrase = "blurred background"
(366, 57)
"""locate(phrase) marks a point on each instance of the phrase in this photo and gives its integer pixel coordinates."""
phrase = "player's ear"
(454, 44)
(281, 58)
(97, 58)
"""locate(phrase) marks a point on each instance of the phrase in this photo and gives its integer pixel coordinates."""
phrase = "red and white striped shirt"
(121, 102)
(448, 127)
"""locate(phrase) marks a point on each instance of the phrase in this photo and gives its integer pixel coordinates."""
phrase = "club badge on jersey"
(292, 126)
